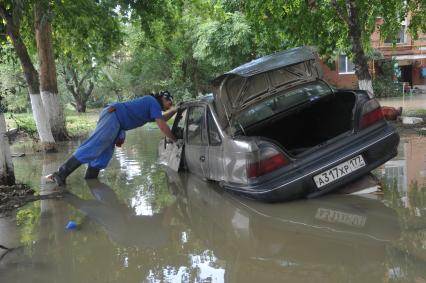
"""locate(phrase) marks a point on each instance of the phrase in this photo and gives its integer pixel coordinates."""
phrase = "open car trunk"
(313, 123)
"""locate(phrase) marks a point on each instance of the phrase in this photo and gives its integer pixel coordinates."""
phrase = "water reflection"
(337, 236)
(151, 225)
(119, 221)
(408, 167)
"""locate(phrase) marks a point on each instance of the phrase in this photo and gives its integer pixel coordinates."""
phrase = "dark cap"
(166, 94)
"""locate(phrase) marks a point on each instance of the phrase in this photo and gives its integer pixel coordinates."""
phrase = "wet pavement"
(142, 223)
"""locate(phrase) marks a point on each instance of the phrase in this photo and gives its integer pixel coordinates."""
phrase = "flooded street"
(407, 102)
(140, 223)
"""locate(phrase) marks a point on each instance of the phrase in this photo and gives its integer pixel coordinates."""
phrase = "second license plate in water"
(339, 171)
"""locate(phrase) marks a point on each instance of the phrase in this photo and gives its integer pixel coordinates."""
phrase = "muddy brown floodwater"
(140, 223)
(408, 102)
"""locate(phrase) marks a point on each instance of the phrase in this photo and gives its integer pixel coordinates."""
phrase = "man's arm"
(169, 114)
(165, 128)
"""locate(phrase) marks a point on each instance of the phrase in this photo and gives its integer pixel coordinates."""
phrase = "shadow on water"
(118, 220)
(143, 223)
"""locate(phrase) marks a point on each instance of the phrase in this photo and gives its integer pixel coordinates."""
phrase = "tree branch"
(68, 83)
(89, 91)
(75, 80)
(341, 13)
(3, 13)
(88, 73)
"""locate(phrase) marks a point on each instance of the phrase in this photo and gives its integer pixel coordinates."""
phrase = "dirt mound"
(12, 197)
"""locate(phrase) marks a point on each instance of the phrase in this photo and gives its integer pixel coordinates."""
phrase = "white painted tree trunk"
(366, 85)
(7, 175)
(42, 123)
(53, 107)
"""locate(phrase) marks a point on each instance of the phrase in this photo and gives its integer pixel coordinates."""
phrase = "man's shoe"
(64, 171)
(91, 173)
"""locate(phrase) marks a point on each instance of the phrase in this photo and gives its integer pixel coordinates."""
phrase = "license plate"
(339, 171)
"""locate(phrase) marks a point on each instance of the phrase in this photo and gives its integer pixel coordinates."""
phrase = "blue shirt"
(135, 113)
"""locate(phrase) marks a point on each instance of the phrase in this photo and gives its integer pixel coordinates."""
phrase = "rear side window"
(196, 134)
(214, 136)
(281, 102)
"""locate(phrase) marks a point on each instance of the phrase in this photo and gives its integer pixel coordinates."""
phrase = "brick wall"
(339, 80)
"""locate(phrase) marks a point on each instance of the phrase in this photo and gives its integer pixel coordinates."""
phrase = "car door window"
(179, 124)
(214, 136)
(196, 130)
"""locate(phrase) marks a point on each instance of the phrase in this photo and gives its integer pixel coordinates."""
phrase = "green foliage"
(77, 123)
(326, 24)
(422, 132)
(224, 43)
(385, 87)
(85, 32)
(28, 219)
(181, 52)
(81, 123)
(12, 83)
(25, 123)
(384, 84)
(137, 47)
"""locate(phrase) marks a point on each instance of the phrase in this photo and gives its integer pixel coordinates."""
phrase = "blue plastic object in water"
(71, 225)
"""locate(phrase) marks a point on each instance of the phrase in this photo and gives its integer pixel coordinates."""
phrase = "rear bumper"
(376, 147)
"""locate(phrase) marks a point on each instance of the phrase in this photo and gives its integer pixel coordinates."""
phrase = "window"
(280, 102)
(196, 131)
(214, 136)
(345, 65)
(179, 124)
(400, 37)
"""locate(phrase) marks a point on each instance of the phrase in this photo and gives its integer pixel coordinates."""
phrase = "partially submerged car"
(275, 130)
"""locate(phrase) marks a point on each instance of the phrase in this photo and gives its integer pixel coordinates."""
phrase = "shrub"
(385, 85)
(386, 88)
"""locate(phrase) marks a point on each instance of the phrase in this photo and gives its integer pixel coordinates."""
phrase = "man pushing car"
(114, 121)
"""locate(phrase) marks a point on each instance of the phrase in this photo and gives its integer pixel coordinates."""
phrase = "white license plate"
(339, 171)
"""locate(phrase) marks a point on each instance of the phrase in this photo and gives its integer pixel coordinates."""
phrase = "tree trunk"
(48, 81)
(355, 38)
(81, 107)
(31, 77)
(76, 87)
(7, 175)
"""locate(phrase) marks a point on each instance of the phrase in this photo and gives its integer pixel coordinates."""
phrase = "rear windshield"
(281, 101)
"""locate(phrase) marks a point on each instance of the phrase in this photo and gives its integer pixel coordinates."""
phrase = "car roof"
(208, 98)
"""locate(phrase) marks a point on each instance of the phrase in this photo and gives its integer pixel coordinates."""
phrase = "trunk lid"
(252, 82)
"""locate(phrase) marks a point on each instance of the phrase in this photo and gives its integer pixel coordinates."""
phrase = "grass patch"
(77, 124)
(415, 112)
(422, 132)
(23, 121)
(81, 123)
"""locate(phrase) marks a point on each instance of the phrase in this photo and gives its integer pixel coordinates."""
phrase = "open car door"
(171, 153)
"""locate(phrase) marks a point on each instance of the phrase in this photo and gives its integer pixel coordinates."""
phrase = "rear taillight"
(269, 159)
(371, 114)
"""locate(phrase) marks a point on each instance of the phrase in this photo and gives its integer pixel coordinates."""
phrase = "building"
(409, 54)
